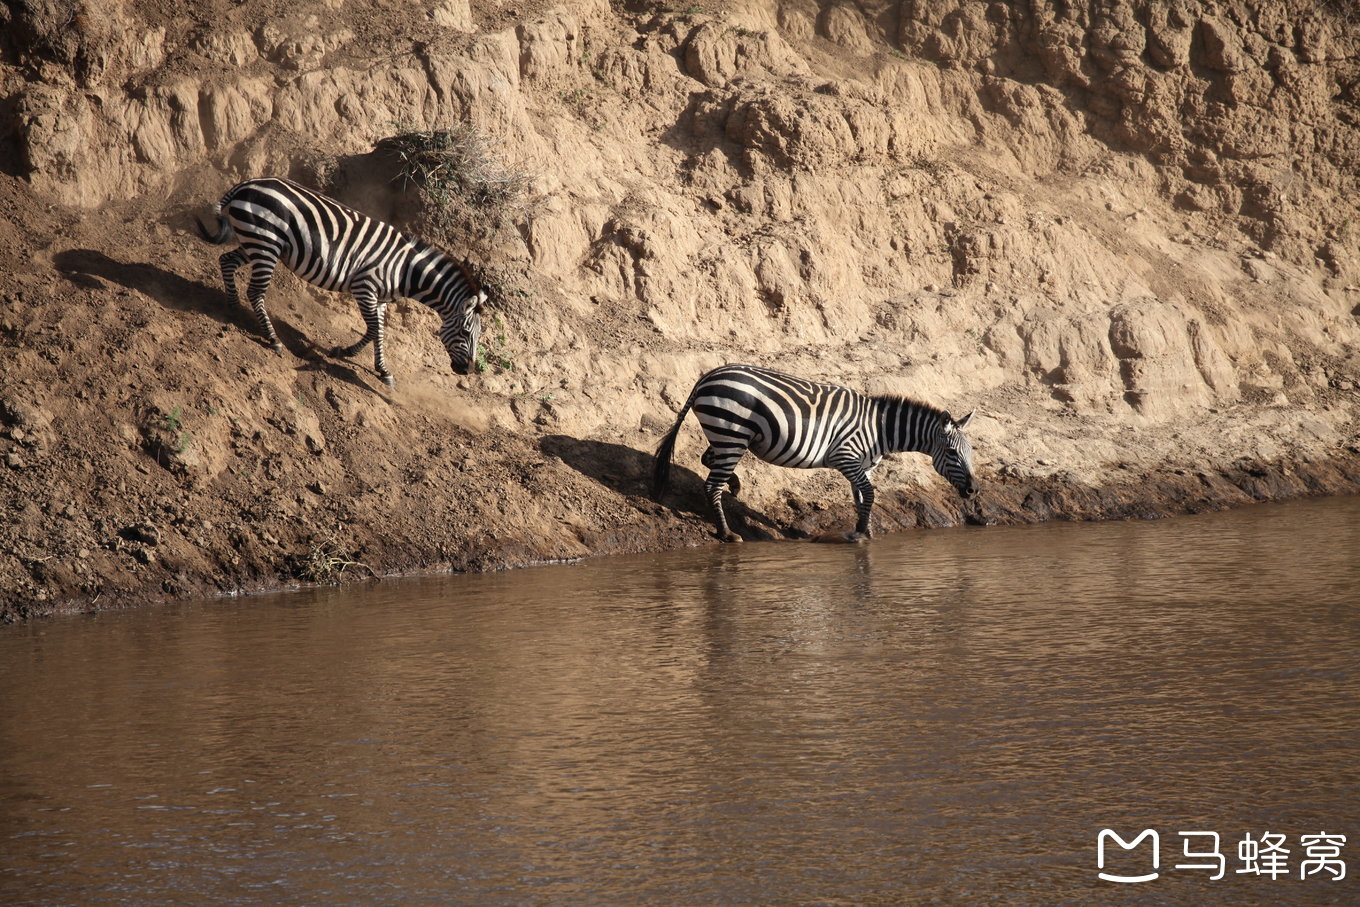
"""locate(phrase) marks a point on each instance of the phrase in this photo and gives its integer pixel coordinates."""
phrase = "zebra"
(794, 422)
(332, 246)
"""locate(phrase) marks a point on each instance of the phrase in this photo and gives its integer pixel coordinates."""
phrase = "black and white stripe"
(804, 424)
(334, 247)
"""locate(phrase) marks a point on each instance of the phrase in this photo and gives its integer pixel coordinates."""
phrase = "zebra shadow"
(93, 270)
(629, 472)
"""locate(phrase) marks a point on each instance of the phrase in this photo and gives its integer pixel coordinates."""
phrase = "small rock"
(14, 461)
(1258, 271)
(146, 533)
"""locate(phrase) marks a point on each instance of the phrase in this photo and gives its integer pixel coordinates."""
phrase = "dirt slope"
(1125, 233)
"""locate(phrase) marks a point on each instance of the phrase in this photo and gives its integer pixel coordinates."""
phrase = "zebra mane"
(902, 400)
(421, 244)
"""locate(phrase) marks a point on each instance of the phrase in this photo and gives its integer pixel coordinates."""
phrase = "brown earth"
(1124, 232)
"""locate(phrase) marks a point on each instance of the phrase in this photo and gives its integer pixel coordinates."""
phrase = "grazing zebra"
(790, 421)
(334, 247)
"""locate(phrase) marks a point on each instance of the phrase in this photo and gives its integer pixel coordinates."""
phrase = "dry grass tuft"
(326, 563)
(458, 166)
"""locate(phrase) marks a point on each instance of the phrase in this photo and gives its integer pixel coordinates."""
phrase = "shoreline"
(679, 523)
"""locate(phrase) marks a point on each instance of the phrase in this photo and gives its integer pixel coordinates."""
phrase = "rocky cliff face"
(1124, 230)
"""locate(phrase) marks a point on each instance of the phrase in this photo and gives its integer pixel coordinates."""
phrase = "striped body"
(334, 247)
(790, 421)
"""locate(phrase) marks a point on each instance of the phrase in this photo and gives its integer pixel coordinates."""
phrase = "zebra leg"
(379, 359)
(229, 262)
(733, 481)
(722, 466)
(715, 493)
(261, 273)
(372, 312)
(862, 490)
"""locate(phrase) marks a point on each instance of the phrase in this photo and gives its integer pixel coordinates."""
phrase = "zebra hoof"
(276, 346)
(730, 536)
(387, 379)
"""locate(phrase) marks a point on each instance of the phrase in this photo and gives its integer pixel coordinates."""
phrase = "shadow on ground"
(90, 269)
(629, 472)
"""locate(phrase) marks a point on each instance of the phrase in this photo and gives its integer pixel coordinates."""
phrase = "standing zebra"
(334, 247)
(790, 421)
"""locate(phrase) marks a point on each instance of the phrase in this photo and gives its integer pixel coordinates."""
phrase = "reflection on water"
(948, 715)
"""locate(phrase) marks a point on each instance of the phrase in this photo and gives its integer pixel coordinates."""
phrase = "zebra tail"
(223, 233)
(661, 469)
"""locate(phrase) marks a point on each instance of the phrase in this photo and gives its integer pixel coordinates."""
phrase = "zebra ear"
(964, 421)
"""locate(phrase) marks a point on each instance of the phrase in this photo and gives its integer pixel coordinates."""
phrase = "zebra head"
(952, 455)
(461, 331)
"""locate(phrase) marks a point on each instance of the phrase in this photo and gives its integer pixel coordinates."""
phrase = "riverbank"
(570, 499)
(1125, 238)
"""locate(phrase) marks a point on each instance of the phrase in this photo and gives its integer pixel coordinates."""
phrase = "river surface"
(949, 716)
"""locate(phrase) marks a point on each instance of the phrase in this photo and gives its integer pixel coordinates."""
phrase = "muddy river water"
(950, 716)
